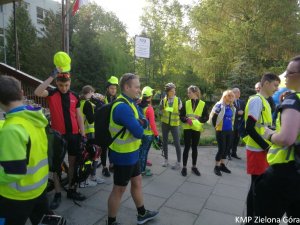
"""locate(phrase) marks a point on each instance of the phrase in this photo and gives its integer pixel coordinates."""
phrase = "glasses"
(64, 75)
(288, 73)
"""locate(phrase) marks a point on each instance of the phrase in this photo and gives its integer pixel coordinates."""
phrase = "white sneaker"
(98, 180)
(82, 184)
(90, 183)
(165, 164)
(176, 166)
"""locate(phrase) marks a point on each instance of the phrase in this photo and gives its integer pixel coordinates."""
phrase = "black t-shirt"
(290, 102)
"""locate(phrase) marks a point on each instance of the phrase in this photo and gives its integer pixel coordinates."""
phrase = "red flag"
(78, 4)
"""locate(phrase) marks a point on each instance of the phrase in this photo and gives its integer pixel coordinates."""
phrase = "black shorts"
(122, 174)
(73, 144)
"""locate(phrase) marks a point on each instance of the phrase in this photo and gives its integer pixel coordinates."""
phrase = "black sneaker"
(236, 157)
(73, 194)
(224, 168)
(105, 172)
(55, 202)
(196, 171)
(149, 215)
(183, 172)
(229, 157)
(217, 171)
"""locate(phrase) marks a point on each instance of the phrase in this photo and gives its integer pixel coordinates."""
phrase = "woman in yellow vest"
(87, 108)
(23, 158)
(222, 118)
(110, 95)
(150, 132)
(170, 107)
(193, 115)
(277, 190)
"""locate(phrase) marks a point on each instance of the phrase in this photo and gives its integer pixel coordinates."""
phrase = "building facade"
(37, 10)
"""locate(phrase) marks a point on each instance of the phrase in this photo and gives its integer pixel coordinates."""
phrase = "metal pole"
(67, 26)
(63, 24)
(4, 43)
(16, 38)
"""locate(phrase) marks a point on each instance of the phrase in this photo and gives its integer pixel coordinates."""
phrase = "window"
(39, 14)
(1, 8)
(1, 31)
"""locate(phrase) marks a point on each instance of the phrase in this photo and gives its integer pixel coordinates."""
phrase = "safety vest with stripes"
(148, 130)
(263, 121)
(36, 178)
(126, 142)
(88, 127)
(282, 154)
(170, 115)
(193, 114)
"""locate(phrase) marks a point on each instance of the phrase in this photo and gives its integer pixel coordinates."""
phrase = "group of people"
(273, 156)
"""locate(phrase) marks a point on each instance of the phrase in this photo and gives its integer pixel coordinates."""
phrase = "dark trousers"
(276, 192)
(235, 141)
(17, 212)
(191, 138)
(250, 203)
(224, 144)
(103, 156)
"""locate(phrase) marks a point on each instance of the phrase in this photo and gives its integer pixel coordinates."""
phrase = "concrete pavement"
(191, 200)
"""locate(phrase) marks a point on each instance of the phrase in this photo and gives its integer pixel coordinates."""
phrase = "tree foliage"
(26, 34)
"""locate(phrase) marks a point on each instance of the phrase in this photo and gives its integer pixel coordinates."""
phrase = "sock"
(141, 210)
(57, 195)
(111, 220)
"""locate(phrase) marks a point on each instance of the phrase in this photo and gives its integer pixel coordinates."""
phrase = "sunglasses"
(64, 75)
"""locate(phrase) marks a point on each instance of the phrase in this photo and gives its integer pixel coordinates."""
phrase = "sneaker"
(229, 157)
(55, 202)
(97, 180)
(236, 156)
(196, 171)
(105, 172)
(73, 194)
(149, 163)
(176, 166)
(184, 172)
(149, 215)
(165, 164)
(224, 168)
(217, 171)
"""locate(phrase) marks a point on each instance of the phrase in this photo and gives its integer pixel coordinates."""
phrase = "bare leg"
(136, 191)
(115, 199)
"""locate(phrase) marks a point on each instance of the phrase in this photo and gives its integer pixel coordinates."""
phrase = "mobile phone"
(52, 220)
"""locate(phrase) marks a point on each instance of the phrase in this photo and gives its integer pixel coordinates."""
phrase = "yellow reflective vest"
(123, 143)
(264, 120)
(148, 130)
(88, 127)
(193, 114)
(279, 154)
(35, 181)
(170, 114)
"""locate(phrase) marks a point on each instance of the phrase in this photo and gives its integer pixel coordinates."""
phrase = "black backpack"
(84, 162)
(103, 137)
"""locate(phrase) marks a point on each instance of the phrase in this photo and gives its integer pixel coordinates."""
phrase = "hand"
(240, 112)
(189, 122)
(268, 133)
(156, 138)
(54, 73)
(143, 122)
(84, 139)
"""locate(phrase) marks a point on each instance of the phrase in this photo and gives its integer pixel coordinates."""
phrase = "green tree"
(48, 44)
(27, 38)
(99, 47)
(234, 35)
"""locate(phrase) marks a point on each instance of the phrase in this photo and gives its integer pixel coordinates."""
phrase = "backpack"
(84, 162)
(103, 136)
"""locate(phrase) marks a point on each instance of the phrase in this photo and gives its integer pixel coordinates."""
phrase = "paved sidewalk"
(191, 200)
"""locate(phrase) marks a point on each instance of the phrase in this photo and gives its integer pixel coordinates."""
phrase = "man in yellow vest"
(257, 117)
(124, 151)
(23, 158)
(277, 190)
